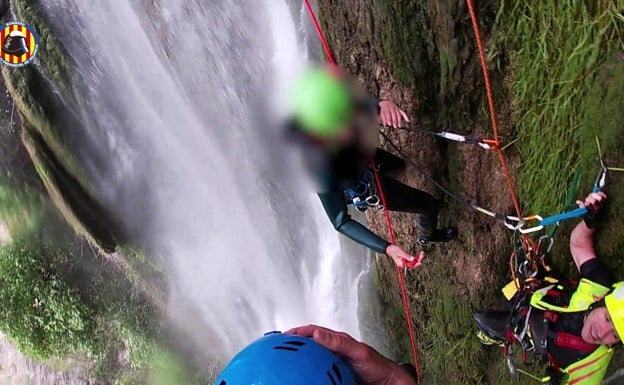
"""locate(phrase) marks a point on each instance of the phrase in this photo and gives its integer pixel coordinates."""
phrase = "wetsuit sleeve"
(597, 272)
(336, 209)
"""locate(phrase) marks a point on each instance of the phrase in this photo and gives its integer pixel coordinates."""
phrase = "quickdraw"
(599, 184)
(487, 144)
(511, 222)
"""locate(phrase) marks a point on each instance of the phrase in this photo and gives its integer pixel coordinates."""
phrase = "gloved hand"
(594, 204)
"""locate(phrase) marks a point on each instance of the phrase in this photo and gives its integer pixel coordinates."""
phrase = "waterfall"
(179, 100)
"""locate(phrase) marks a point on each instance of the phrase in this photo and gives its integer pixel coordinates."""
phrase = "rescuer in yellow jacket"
(572, 326)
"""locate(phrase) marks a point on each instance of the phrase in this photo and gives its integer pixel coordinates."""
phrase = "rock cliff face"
(423, 56)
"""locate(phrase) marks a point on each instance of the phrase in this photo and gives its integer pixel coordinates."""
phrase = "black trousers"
(399, 196)
(404, 198)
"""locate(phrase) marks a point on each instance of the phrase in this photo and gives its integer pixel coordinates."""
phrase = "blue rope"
(579, 212)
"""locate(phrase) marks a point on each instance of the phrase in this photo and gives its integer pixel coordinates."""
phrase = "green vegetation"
(41, 313)
(63, 300)
(558, 77)
(20, 209)
(556, 51)
(58, 304)
(448, 339)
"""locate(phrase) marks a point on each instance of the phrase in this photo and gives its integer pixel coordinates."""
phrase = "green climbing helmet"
(322, 103)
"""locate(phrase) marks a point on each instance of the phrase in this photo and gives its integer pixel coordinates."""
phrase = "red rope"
(488, 87)
(408, 314)
(319, 31)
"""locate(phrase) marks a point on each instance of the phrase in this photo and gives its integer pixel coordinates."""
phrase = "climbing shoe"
(492, 326)
(442, 235)
(487, 340)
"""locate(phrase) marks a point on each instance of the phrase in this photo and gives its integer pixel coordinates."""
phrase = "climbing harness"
(487, 144)
(363, 194)
(526, 326)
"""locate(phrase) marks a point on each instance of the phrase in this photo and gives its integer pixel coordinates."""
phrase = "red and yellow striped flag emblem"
(26, 38)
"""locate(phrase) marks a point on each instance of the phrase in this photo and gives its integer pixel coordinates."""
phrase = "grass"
(556, 51)
(449, 342)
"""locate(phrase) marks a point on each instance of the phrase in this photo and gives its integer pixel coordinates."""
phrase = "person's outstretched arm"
(336, 209)
(582, 238)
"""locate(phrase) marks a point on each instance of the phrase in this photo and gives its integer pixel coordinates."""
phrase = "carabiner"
(526, 271)
(550, 245)
(489, 144)
(601, 179)
(534, 228)
(509, 222)
(373, 200)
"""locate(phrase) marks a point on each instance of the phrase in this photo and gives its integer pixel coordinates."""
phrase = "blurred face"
(598, 328)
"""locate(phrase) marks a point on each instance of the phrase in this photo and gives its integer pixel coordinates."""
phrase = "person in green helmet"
(335, 123)
(572, 326)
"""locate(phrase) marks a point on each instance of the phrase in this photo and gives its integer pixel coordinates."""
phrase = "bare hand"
(390, 115)
(595, 199)
(401, 258)
(371, 367)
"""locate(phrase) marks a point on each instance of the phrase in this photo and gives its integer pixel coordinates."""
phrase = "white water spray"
(172, 92)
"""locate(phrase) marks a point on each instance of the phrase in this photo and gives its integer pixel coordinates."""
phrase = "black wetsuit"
(338, 170)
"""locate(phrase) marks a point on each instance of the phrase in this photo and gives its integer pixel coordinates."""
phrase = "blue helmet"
(284, 359)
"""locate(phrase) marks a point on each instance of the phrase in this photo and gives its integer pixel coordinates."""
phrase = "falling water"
(180, 99)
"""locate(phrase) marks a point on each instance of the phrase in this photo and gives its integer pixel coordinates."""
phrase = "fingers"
(404, 115)
(340, 343)
(592, 199)
(389, 118)
(416, 261)
(396, 118)
(304, 331)
(391, 115)
(402, 259)
(337, 342)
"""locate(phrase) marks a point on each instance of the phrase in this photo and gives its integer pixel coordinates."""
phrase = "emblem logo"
(20, 43)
